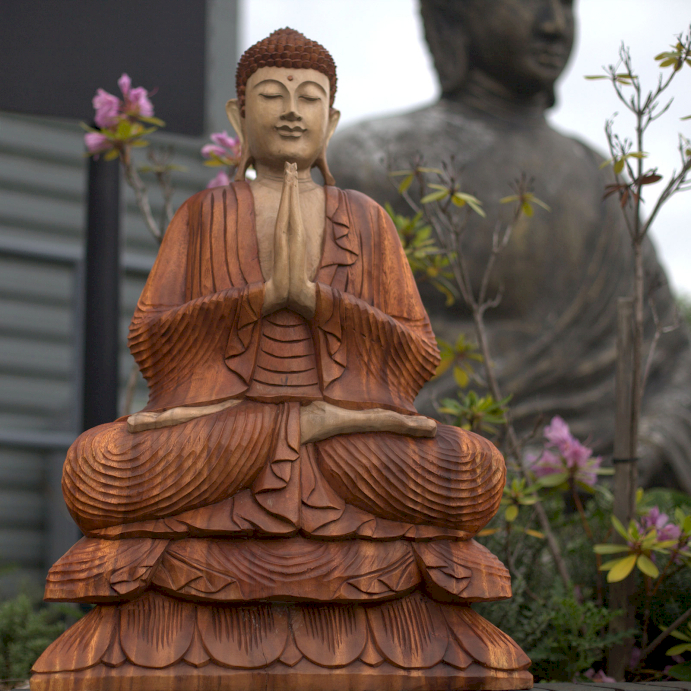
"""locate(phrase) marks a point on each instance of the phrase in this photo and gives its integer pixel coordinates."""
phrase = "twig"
(140, 193)
(659, 330)
(449, 233)
(672, 627)
(129, 390)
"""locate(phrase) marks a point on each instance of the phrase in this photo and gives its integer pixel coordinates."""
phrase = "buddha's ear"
(321, 163)
(236, 120)
(238, 123)
(334, 117)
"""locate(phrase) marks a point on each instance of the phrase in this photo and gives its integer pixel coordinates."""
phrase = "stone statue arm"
(378, 335)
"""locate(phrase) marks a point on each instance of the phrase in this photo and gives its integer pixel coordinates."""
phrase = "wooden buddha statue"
(280, 515)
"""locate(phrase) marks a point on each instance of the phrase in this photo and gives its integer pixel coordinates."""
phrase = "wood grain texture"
(293, 569)
(222, 548)
(159, 632)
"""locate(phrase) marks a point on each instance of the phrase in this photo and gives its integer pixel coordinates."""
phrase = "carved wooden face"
(286, 115)
(524, 44)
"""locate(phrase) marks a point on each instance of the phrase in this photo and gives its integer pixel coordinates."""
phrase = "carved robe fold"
(199, 337)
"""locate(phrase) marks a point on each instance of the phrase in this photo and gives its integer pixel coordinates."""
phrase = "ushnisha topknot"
(284, 48)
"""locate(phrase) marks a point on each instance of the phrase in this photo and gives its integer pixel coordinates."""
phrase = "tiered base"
(157, 643)
(305, 676)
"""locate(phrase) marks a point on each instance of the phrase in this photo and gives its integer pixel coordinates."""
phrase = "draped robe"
(149, 502)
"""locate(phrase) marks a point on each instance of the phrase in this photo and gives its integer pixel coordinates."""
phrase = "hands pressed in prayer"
(289, 285)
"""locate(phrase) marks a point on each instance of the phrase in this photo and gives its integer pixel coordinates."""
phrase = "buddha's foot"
(156, 643)
(320, 420)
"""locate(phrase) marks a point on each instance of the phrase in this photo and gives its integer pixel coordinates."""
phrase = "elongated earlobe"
(238, 123)
(321, 162)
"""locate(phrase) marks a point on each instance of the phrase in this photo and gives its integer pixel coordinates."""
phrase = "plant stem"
(140, 193)
(672, 627)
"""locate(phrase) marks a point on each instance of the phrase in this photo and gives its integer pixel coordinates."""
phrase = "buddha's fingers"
(321, 420)
(278, 285)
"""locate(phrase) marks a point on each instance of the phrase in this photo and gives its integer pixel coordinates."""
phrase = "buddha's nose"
(291, 115)
(554, 20)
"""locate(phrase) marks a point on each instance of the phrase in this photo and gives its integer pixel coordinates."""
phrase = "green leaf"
(406, 183)
(111, 155)
(679, 649)
(646, 565)
(620, 528)
(152, 121)
(527, 209)
(621, 569)
(619, 166)
(534, 533)
(596, 76)
(681, 672)
(511, 513)
(680, 636)
(434, 196)
(461, 377)
(458, 201)
(610, 549)
(488, 531)
(431, 170)
(396, 173)
(539, 202)
(553, 480)
(509, 199)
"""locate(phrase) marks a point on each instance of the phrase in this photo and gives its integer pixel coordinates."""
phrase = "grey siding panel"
(42, 193)
(42, 214)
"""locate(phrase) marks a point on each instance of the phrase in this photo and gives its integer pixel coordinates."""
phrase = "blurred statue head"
(521, 44)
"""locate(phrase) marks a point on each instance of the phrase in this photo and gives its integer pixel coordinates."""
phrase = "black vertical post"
(101, 294)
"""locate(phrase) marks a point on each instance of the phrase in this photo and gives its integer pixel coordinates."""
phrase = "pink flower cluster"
(563, 453)
(225, 150)
(598, 676)
(110, 110)
(660, 521)
(224, 147)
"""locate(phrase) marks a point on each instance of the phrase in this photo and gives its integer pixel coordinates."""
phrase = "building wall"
(42, 220)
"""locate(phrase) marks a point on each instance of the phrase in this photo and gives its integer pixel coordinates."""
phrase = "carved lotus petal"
(483, 641)
(156, 631)
(244, 637)
(82, 645)
(411, 632)
(330, 635)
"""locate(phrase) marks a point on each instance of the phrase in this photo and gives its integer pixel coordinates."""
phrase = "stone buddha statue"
(553, 336)
(280, 514)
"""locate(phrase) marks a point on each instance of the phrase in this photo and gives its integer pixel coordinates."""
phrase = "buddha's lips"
(550, 56)
(286, 131)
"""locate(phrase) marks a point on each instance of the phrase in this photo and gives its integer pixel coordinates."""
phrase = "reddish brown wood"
(313, 536)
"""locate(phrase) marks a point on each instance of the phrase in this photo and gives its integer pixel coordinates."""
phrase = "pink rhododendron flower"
(225, 140)
(547, 464)
(125, 84)
(635, 657)
(220, 180)
(225, 147)
(660, 521)
(599, 676)
(136, 100)
(137, 103)
(209, 150)
(107, 109)
(97, 143)
(563, 453)
(557, 432)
